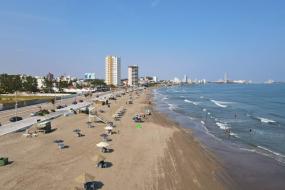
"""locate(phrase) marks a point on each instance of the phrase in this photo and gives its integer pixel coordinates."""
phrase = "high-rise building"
(185, 80)
(133, 75)
(50, 76)
(226, 78)
(88, 76)
(113, 70)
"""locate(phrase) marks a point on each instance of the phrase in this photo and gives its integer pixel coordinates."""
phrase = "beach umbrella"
(84, 178)
(109, 128)
(98, 158)
(102, 144)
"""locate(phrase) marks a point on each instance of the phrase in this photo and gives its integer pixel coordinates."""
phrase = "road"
(26, 111)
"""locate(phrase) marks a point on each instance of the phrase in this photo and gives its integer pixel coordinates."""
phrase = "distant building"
(133, 75)
(176, 80)
(50, 76)
(40, 82)
(154, 78)
(113, 70)
(124, 82)
(88, 76)
(226, 78)
(185, 80)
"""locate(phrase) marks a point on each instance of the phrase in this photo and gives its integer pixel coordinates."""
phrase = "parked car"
(59, 107)
(15, 119)
(74, 102)
(80, 100)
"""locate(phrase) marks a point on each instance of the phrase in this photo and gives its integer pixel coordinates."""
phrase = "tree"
(61, 85)
(48, 85)
(10, 83)
(30, 84)
(96, 82)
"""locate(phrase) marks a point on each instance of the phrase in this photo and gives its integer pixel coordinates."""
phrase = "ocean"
(244, 120)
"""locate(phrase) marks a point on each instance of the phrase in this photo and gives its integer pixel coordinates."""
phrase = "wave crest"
(220, 103)
(191, 102)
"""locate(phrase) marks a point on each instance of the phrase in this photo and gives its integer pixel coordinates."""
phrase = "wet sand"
(160, 155)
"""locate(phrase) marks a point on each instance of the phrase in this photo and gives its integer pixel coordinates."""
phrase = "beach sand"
(160, 155)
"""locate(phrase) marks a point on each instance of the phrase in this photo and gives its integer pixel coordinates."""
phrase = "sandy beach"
(159, 155)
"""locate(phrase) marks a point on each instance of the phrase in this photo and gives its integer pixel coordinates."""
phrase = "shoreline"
(159, 155)
(246, 170)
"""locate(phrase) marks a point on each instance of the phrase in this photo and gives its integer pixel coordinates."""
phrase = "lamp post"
(16, 106)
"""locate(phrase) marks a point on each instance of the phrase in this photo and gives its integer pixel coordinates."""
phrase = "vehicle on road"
(15, 119)
(59, 107)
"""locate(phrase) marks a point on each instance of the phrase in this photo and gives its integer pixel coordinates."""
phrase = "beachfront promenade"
(28, 122)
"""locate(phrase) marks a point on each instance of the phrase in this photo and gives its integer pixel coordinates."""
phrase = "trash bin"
(3, 161)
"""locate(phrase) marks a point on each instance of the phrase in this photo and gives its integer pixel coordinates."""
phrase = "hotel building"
(133, 75)
(113, 70)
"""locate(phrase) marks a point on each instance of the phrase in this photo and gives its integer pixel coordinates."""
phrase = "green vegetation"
(13, 83)
(11, 99)
(48, 84)
(95, 82)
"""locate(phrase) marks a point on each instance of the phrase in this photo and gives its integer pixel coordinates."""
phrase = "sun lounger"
(60, 146)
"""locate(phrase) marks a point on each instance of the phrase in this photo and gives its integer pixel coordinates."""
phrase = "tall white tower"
(133, 75)
(226, 77)
(113, 70)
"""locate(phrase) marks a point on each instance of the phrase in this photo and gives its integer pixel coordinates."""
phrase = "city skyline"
(166, 38)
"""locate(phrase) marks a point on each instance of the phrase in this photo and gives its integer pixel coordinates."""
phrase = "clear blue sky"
(167, 38)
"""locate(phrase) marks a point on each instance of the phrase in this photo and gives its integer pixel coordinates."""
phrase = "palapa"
(84, 178)
(102, 144)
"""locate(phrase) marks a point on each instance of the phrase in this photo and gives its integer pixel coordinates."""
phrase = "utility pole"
(16, 106)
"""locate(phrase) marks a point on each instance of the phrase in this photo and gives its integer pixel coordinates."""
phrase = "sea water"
(250, 117)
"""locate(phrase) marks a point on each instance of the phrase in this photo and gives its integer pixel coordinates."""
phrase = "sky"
(166, 38)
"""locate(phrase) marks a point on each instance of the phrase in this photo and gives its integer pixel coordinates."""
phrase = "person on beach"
(235, 115)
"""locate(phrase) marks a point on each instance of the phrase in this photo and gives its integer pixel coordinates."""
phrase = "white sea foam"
(165, 98)
(191, 102)
(191, 118)
(265, 120)
(172, 107)
(204, 109)
(201, 97)
(249, 150)
(223, 126)
(220, 103)
(234, 135)
(271, 151)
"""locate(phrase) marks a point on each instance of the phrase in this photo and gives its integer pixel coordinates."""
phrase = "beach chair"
(60, 146)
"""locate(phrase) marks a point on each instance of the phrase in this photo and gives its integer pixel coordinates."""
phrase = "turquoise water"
(251, 117)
